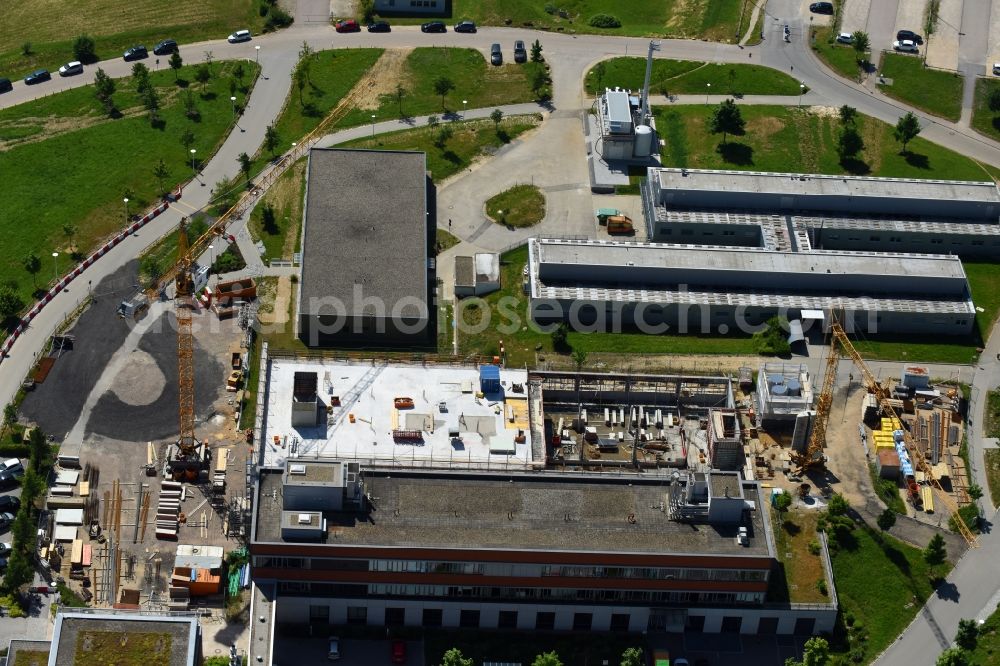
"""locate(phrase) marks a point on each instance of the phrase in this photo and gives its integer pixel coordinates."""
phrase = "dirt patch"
(682, 10)
(43, 128)
(278, 313)
(825, 111)
(765, 127)
(380, 80)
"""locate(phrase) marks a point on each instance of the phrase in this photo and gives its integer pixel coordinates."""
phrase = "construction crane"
(187, 457)
(813, 453)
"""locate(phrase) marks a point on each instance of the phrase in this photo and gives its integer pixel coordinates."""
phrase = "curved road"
(975, 579)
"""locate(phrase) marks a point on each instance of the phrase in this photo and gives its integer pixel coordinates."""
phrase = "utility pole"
(644, 107)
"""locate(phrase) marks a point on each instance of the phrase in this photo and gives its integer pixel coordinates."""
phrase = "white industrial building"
(477, 275)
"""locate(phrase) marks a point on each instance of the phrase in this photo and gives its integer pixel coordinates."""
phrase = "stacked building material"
(168, 509)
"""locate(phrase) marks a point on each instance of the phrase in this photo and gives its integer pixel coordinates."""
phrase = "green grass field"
(993, 473)
(520, 206)
(983, 120)
(479, 84)
(470, 140)
(800, 569)
(52, 26)
(716, 20)
(790, 139)
(841, 58)
(987, 650)
(43, 189)
(286, 198)
(683, 77)
(936, 92)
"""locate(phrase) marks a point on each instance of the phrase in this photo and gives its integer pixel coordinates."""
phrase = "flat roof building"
(367, 272)
(173, 638)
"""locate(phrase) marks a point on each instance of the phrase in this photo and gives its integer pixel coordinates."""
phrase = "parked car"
(910, 35)
(348, 25)
(333, 652)
(37, 76)
(397, 653)
(379, 26)
(520, 53)
(166, 47)
(465, 26)
(5, 520)
(821, 8)
(137, 52)
(5, 547)
(3, 562)
(433, 26)
(7, 480)
(6, 85)
(496, 55)
(240, 36)
(845, 38)
(905, 46)
(13, 467)
(10, 503)
(71, 68)
(996, 69)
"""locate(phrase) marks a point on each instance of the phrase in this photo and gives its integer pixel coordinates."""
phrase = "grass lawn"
(992, 416)
(331, 75)
(641, 343)
(987, 650)
(520, 206)
(469, 140)
(445, 240)
(107, 648)
(865, 559)
(716, 20)
(479, 84)
(841, 58)
(31, 658)
(800, 568)
(249, 407)
(110, 157)
(282, 239)
(993, 473)
(51, 28)
(687, 77)
(983, 120)
(887, 491)
(936, 92)
(802, 140)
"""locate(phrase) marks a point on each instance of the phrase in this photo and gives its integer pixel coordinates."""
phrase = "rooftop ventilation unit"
(304, 519)
(296, 469)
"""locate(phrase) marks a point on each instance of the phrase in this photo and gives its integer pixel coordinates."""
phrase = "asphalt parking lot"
(313, 652)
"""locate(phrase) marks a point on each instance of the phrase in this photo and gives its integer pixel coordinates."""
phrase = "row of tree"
(20, 563)
(631, 657)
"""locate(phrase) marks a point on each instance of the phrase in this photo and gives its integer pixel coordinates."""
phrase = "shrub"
(277, 18)
(814, 547)
(604, 21)
(84, 49)
(821, 586)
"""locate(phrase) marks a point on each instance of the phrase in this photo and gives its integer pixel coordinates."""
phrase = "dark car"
(137, 52)
(821, 8)
(520, 53)
(5, 85)
(10, 503)
(5, 520)
(7, 480)
(3, 562)
(37, 76)
(496, 55)
(349, 25)
(166, 47)
(5, 547)
(433, 26)
(465, 26)
(379, 26)
(909, 35)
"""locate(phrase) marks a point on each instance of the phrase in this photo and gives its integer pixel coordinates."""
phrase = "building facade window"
(469, 619)
(582, 621)
(319, 613)
(731, 624)
(357, 615)
(395, 617)
(432, 617)
(507, 620)
(620, 621)
(545, 621)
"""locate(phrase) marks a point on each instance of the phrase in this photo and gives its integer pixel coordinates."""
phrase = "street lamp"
(373, 125)
(55, 266)
(256, 58)
(192, 162)
(708, 90)
(126, 209)
(802, 88)
(211, 255)
(464, 108)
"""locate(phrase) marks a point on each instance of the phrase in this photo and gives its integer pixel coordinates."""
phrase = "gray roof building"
(173, 639)
(365, 247)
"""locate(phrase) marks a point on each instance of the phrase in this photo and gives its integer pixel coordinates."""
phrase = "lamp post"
(211, 255)
(802, 88)
(256, 58)
(465, 103)
(373, 125)
(55, 266)
(126, 209)
(708, 90)
(192, 162)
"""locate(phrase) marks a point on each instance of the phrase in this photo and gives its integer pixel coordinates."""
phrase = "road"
(569, 56)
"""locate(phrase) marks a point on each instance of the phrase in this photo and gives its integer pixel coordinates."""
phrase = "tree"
(104, 90)
(203, 74)
(10, 414)
(536, 52)
(190, 106)
(176, 62)
(860, 44)
(442, 86)
(849, 142)
(537, 78)
(443, 136)
(950, 657)
(10, 303)
(152, 103)
(271, 139)
(454, 657)
(579, 358)
(300, 84)
(208, 61)
(967, 634)
(305, 61)
(560, 336)
(239, 72)
(935, 553)
(187, 140)
(496, 117)
(19, 571)
(727, 119)
(40, 450)
(772, 339)
(837, 505)
(547, 659)
(140, 75)
(246, 164)
(782, 502)
(975, 490)
(993, 100)
(432, 121)
(632, 657)
(886, 520)
(26, 49)
(399, 94)
(907, 129)
(32, 263)
(84, 49)
(816, 652)
(69, 231)
(848, 114)
(161, 173)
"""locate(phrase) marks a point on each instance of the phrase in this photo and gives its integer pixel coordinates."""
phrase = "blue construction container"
(489, 379)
